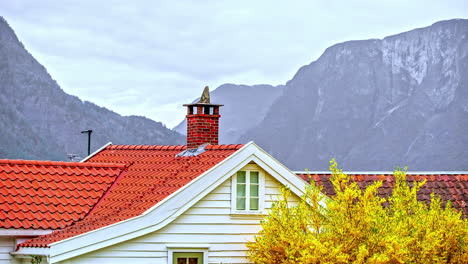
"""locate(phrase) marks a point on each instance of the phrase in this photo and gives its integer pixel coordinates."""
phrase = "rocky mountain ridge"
(376, 104)
(40, 121)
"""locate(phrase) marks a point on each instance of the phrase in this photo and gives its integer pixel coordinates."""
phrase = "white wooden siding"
(7, 245)
(208, 222)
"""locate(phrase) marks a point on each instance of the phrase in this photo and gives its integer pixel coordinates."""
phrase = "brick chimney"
(202, 121)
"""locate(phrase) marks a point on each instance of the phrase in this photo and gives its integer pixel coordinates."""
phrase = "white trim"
(24, 232)
(261, 191)
(96, 152)
(175, 204)
(28, 251)
(188, 246)
(385, 172)
(194, 248)
(276, 169)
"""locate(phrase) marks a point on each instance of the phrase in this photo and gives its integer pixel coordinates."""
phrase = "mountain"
(40, 121)
(376, 104)
(244, 107)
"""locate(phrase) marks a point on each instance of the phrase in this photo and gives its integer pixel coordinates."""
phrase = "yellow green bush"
(355, 227)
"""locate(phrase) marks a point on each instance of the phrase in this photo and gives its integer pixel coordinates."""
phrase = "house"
(39, 197)
(198, 203)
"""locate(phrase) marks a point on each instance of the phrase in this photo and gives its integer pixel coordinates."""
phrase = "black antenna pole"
(89, 131)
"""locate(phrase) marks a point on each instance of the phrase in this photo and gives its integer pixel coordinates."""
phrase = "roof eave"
(17, 232)
(31, 251)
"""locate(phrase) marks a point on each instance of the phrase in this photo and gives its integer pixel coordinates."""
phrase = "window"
(188, 258)
(247, 190)
(187, 253)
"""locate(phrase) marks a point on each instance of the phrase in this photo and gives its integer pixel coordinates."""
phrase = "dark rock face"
(40, 121)
(244, 107)
(376, 104)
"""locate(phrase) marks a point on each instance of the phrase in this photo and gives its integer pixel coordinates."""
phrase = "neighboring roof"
(450, 186)
(154, 174)
(51, 195)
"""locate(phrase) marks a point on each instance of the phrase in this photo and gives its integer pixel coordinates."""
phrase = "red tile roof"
(453, 187)
(50, 195)
(155, 173)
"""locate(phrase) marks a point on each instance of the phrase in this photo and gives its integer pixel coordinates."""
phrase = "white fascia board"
(96, 152)
(175, 204)
(23, 232)
(386, 172)
(193, 245)
(275, 168)
(297, 187)
(31, 251)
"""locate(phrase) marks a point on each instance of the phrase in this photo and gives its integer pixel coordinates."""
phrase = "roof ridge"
(171, 147)
(224, 147)
(146, 147)
(62, 163)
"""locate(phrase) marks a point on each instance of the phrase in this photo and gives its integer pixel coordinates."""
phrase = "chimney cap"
(204, 99)
(202, 104)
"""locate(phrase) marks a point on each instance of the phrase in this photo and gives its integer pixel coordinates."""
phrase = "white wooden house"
(199, 203)
(209, 219)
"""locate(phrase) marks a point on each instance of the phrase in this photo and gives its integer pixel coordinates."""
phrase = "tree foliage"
(358, 226)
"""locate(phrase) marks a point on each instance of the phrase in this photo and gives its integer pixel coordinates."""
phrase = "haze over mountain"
(40, 121)
(376, 104)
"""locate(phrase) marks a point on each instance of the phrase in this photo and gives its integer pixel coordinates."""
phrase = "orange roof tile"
(155, 173)
(453, 187)
(50, 195)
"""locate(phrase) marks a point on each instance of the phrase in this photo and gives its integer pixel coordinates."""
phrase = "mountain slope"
(244, 107)
(40, 121)
(375, 104)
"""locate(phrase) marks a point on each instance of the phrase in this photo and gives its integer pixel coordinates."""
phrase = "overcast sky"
(149, 57)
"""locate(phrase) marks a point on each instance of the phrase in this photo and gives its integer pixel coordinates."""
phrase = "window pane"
(254, 176)
(241, 176)
(193, 261)
(253, 203)
(241, 190)
(181, 261)
(254, 190)
(240, 203)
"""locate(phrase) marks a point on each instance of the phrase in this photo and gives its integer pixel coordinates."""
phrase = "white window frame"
(261, 192)
(180, 248)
